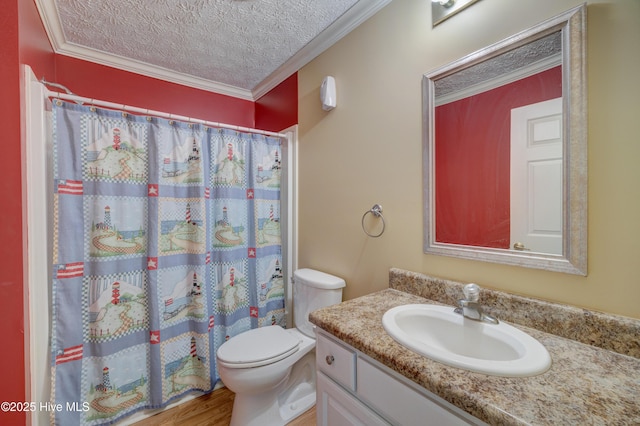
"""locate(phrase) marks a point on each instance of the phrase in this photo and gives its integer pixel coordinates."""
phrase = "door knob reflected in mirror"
(519, 246)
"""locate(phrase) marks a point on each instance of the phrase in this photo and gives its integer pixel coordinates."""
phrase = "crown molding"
(49, 16)
(356, 15)
(142, 68)
(351, 19)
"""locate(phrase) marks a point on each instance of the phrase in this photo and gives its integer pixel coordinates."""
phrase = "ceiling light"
(445, 3)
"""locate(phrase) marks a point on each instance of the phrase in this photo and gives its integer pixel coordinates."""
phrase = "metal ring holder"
(376, 210)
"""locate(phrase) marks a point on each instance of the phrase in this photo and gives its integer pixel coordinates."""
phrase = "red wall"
(472, 160)
(24, 41)
(11, 309)
(109, 84)
(274, 110)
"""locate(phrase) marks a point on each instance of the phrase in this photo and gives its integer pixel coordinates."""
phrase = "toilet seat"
(258, 347)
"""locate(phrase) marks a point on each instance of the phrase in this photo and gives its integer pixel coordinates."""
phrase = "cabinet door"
(336, 407)
(401, 404)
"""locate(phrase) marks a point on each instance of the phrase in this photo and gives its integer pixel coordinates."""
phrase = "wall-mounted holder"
(328, 93)
(376, 210)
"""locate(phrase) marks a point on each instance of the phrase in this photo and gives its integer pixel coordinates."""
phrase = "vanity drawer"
(336, 361)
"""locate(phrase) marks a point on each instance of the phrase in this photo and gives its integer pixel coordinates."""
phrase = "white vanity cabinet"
(353, 389)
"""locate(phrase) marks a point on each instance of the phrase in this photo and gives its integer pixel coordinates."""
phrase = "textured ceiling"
(235, 47)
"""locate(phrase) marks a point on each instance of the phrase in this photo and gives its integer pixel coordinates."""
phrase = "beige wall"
(368, 150)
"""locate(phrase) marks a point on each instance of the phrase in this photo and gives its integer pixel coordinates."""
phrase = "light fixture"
(443, 9)
(445, 3)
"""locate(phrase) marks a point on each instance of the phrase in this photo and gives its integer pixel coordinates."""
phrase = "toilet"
(271, 369)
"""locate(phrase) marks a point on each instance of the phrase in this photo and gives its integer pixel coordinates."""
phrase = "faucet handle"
(471, 292)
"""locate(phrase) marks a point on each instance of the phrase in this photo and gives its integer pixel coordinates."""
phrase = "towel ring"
(376, 210)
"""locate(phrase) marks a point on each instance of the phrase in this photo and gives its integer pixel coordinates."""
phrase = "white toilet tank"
(313, 290)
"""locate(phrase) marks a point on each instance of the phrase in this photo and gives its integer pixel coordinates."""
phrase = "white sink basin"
(438, 333)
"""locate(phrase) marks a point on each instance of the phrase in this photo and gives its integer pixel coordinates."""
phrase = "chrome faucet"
(469, 306)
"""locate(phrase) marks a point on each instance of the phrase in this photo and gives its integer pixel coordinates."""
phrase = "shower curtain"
(166, 242)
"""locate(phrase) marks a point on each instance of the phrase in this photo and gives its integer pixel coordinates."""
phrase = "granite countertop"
(585, 384)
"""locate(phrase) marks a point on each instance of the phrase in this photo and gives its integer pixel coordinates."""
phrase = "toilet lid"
(257, 347)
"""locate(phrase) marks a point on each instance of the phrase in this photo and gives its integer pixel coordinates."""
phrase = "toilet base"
(288, 400)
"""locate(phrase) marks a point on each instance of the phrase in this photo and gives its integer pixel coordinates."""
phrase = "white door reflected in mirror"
(536, 177)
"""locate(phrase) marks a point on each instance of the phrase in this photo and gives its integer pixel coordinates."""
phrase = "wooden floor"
(213, 409)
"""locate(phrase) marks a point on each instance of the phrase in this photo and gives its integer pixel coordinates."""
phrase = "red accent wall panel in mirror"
(472, 155)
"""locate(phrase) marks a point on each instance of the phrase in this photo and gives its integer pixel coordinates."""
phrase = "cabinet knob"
(329, 359)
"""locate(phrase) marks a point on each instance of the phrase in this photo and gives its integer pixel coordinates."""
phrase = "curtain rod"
(143, 111)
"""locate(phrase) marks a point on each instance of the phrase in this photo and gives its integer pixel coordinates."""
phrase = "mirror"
(505, 150)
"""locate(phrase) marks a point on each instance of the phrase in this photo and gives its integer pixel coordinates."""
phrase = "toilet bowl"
(271, 369)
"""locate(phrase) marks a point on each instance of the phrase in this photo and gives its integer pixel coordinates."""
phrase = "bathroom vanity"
(354, 389)
(365, 377)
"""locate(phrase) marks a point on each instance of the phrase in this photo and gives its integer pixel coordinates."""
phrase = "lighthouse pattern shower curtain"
(166, 242)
